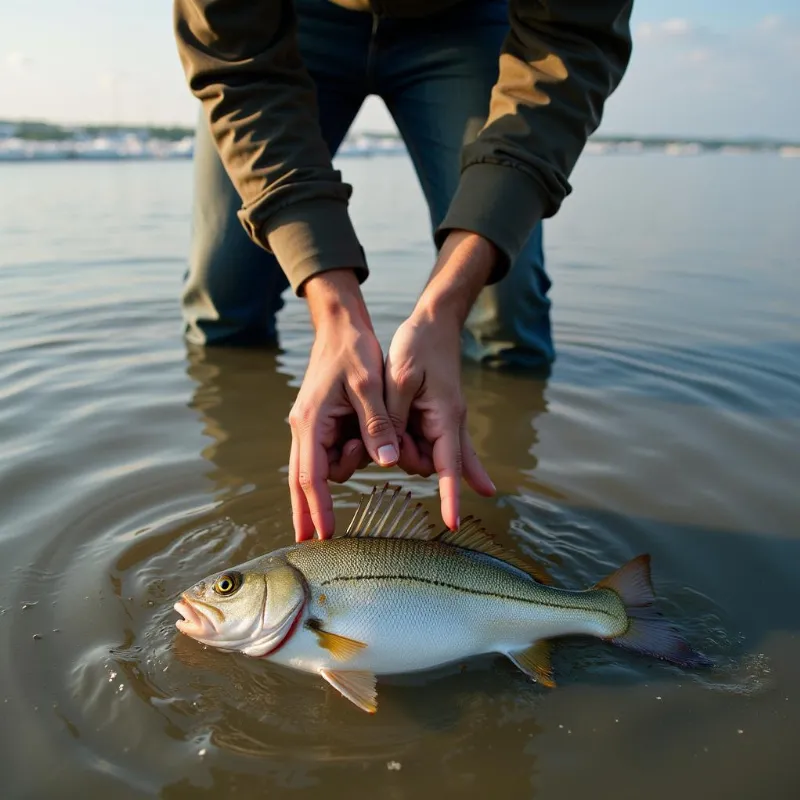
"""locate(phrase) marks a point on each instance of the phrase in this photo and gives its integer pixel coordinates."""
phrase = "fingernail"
(387, 454)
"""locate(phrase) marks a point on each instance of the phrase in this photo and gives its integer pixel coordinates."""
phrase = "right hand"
(339, 421)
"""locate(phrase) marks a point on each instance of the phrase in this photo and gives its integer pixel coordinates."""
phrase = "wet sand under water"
(133, 465)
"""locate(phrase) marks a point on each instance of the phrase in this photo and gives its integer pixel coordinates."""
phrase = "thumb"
(377, 430)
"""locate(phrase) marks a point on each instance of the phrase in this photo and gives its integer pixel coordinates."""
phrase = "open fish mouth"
(194, 622)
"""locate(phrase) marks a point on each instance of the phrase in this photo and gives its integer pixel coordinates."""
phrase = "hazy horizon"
(703, 70)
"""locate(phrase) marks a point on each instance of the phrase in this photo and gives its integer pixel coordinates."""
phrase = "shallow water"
(132, 466)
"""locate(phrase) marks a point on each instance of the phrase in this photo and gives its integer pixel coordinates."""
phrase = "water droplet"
(393, 765)
(201, 752)
(739, 731)
(37, 636)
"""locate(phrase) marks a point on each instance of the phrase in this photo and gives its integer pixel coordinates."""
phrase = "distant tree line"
(49, 132)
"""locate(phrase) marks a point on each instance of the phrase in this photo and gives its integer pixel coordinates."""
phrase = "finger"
(312, 475)
(474, 472)
(352, 456)
(301, 517)
(447, 461)
(415, 457)
(401, 389)
(377, 431)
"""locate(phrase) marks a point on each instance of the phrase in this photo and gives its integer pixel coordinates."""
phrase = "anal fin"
(534, 661)
(358, 686)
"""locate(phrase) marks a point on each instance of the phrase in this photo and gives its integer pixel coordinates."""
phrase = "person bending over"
(494, 99)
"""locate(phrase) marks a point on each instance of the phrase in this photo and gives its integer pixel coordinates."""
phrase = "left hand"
(423, 376)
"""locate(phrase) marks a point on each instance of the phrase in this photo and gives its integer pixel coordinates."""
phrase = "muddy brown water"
(132, 465)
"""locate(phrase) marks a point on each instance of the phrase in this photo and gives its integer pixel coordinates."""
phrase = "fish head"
(252, 610)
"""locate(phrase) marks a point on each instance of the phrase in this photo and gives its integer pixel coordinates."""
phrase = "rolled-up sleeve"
(559, 64)
(242, 61)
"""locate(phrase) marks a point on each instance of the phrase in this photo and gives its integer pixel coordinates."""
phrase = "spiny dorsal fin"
(473, 536)
(393, 520)
(390, 520)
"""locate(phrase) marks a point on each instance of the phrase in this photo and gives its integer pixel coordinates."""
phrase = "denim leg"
(436, 75)
(233, 288)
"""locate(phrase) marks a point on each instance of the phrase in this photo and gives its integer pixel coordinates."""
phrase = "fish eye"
(228, 583)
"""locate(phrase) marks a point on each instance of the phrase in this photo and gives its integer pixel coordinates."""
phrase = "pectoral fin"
(534, 661)
(358, 686)
(340, 647)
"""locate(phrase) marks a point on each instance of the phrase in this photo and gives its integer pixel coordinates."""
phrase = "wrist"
(334, 299)
(462, 269)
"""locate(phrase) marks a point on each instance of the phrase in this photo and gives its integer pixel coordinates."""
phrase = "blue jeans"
(435, 76)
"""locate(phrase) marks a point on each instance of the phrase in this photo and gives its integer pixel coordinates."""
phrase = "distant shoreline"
(42, 141)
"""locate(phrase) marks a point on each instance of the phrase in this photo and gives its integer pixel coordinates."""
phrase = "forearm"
(242, 62)
(335, 299)
(462, 269)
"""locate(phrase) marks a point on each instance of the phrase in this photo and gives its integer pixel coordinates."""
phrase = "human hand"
(339, 421)
(423, 376)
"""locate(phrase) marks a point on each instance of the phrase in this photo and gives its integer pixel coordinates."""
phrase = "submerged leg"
(233, 288)
(436, 77)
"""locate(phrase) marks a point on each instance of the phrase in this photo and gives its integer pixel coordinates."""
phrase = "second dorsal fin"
(379, 514)
(473, 536)
(382, 514)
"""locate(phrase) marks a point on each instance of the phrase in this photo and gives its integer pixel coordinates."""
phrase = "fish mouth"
(194, 622)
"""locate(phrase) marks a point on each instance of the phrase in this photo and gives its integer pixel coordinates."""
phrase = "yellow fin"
(340, 647)
(473, 536)
(534, 661)
(393, 521)
(358, 686)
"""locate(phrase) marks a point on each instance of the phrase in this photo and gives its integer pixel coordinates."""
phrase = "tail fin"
(648, 632)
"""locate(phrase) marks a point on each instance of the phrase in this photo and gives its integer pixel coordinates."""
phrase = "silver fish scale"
(434, 565)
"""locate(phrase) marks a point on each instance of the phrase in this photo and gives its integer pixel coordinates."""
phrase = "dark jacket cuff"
(501, 203)
(311, 237)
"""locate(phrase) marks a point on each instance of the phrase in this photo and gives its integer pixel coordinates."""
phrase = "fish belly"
(407, 630)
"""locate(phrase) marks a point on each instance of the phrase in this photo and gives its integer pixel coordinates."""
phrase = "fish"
(394, 595)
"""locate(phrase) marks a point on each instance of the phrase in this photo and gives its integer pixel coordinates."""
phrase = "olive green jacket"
(559, 63)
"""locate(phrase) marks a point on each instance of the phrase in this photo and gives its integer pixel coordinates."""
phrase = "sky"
(715, 68)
